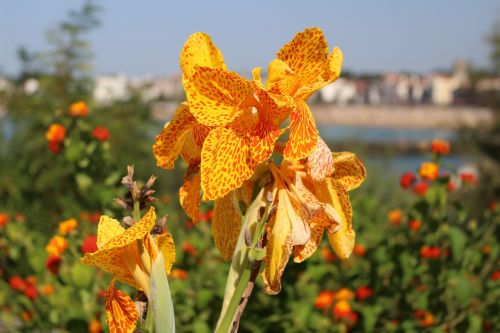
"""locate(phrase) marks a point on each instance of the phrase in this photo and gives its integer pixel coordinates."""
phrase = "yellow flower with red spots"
(78, 109)
(128, 254)
(429, 170)
(67, 226)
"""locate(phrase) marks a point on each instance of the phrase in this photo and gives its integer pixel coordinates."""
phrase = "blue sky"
(145, 37)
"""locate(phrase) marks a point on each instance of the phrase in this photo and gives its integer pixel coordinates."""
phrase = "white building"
(109, 88)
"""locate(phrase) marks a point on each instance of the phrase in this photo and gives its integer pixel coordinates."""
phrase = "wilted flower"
(429, 170)
(441, 147)
(53, 263)
(101, 133)
(78, 109)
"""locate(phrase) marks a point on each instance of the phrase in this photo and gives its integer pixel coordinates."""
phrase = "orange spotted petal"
(306, 55)
(262, 140)
(121, 314)
(279, 246)
(334, 66)
(304, 136)
(107, 229)
(189, 195)
(199, 50)
(226, 224)
(320, 162)
(165, 244)
(170, 141)
(226, 162)
(191, 152)
(349, 171)
(216, 96)
(281, 78)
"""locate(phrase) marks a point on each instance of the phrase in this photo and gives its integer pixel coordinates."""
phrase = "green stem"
(149, 323)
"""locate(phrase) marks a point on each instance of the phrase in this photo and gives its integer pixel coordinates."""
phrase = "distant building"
(109, 88)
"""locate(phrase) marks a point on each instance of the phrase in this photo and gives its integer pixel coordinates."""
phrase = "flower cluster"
(231, 131)
(340, 303)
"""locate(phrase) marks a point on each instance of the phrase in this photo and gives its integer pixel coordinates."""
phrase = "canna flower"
(429, 171)
(67, 226)
(441, 147)
(128, 254)
(305, 208)
(56, 133)
(78, 109)
(57, 245)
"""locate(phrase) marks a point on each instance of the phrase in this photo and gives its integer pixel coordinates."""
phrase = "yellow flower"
(78, 109)
(305, 209)
(128, 254)
(429, 170)
(57, 245)
(67, 226)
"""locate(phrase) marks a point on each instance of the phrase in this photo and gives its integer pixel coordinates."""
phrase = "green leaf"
(475, 322)
(83, 181)
(458, 241)
(161, 299)
(82, 275)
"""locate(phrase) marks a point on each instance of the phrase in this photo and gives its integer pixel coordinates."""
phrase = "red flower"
(53, 263)
(89, 244)
(414, 224)
(362, 293)
(17, 283)
(495, 276)
(324, 299)
(451, 186)
(359, 250)
(420, 188)
(468, 178)
(31, 292)
(327, 254)
(101, 133)
(440, 147)
(189, 249)
(95, 217)
(432, 252)
(4, 218)
(54, 147)
(492, 205)
(407, 179)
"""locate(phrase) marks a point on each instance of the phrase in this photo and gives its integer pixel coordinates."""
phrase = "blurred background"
(411, 74)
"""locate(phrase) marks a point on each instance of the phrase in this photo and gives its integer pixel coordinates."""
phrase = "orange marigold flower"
(67, 226)
(414, 224)
(359, 250)
(32, 279)
(4, 219)
(56, 133)
(101, 133)
(441, 147)
(78, 109)
(179, 274)
(57, 245)
(429, 170)
(324, 300)
(342, 310)
(53, 263)
(95, 326)
(395, 217)
(363, 293)
(344, 294)
(425, 318)
(47, 289)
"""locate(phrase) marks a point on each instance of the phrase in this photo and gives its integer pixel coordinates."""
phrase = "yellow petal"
(262, 141)
(343, 239)
(166, 246)
(334, 65)
(121, 314)
(216, 96)
(320, 162)
(349, 171)
(189, 196)
(278, 248)
(306, 55)
(281, 78)
(169, 142)
(226, 223)
(107, 229)
(199, 50)
(303, 137)
(226, 162)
